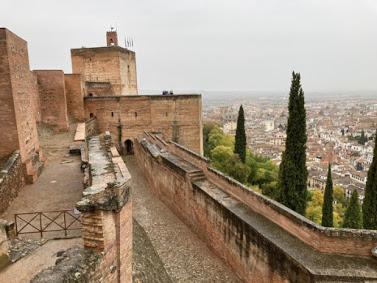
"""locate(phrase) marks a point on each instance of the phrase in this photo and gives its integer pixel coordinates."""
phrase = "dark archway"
(129, 147)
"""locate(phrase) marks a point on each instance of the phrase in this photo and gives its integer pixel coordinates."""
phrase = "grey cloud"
(212, 44)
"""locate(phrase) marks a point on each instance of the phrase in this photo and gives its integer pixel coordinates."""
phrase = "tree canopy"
(257, 172)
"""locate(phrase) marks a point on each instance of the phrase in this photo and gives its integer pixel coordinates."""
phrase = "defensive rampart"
(260, 239)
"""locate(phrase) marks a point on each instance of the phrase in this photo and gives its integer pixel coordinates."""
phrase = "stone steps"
(197, 176)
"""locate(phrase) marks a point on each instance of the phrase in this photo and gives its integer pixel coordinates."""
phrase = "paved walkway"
(185, 257)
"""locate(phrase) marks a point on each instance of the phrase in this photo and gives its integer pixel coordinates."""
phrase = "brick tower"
(112, 38)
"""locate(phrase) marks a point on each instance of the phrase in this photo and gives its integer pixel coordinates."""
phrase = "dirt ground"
(27, 267)
(59, 186)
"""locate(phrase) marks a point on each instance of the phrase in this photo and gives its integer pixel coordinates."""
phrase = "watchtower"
(112, 38)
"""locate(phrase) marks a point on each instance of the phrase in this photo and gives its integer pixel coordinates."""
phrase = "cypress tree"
(240, 141)
(363, 139)
(370, 199)
(293, 173)
(327, 208)
(353, 218)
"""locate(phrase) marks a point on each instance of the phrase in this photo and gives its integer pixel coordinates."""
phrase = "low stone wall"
(11, 180)
(328, 240)
(106, 209)
(239, 226)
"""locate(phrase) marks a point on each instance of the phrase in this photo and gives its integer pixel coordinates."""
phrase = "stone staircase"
(197, 176)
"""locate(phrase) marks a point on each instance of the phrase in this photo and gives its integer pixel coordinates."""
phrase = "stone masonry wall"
(129, 74)
(17, 102)
(327, 240)
(98, 89)
(74, 90)
(8, 126)
(178, 117)
(18, 123)
(261, 240)
(11, 180)
(106, 209)
(113, 64)
(35, 97)
(217, 226)
(53, 98)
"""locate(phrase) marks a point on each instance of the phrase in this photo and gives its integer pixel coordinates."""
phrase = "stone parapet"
(262, 240)
(107, 210)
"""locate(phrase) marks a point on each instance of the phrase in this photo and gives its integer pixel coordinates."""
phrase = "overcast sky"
(212, 44)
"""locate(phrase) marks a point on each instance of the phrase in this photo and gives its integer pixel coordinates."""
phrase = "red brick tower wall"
(18, 127)
(53, 98)
(74, 90)
(8, 126)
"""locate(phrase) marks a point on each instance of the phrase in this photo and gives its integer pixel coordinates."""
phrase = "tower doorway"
(129, 146)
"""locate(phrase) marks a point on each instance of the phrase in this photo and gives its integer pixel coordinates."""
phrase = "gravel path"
(146, 264)
(185, 257)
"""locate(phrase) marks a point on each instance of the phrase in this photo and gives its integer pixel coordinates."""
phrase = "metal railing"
(47, 222)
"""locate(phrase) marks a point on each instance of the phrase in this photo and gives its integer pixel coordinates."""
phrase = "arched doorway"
(129, 146)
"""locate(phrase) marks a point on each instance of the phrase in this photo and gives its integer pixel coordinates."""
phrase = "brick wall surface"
(339, 241)
(114, 64)
(35, 97)
(233, 221)
(16, 84)
(98, 89)
(124, 242)
(107, 213)
(8, 126)
(53, 100)
(206, 218)
(181, 114)
(74, 90)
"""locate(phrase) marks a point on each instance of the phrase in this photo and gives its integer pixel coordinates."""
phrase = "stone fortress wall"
(262, 240)
(52, 98)
(74, 90)
(178, 117)
(18, 99)
(112, 64)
